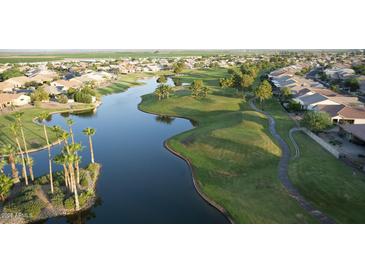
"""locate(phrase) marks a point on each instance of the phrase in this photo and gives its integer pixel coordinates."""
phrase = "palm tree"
(14, 129)
(9, 154)
(70, 122)
(90, 132)
(5, 186)
(29, 162)
(70, 159)
(73, 149)
(58, 130)
(2, 165)
(61, 160)
(42, 117)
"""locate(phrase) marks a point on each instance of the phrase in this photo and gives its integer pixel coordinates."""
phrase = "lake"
(140, 181)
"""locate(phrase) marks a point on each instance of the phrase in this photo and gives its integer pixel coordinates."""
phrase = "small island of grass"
(25, 198)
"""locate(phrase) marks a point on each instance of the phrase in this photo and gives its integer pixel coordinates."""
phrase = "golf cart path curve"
(283, 169)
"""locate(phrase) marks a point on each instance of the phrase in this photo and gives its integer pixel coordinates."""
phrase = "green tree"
(246, 82)
(90, 132)
(10, 73)
(62, 99)
(14, 129)
(316, 120)
(162, 79)
(198, 89)
(82, 97)
(39, 95)
(285, 93)
(352, 84)
(41, 118)
(9, 155)
(178, 67)
(5, 185)
(29, 160)
(163, 91)
(263, 92)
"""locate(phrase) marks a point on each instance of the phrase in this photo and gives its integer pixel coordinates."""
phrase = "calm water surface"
(140, 181)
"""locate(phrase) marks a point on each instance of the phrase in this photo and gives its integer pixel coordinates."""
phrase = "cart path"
(283, 169)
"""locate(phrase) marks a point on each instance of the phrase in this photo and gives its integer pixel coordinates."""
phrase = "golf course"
(235, 159)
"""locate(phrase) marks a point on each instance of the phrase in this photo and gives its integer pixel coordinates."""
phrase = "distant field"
(18, 58)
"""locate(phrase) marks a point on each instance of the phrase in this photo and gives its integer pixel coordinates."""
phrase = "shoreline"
(211, 202)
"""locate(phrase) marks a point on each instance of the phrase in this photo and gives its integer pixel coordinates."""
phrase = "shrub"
(70, 203)
(81, 97)
(62, 99)
(57, 198)
(294, 106)
(85, 197)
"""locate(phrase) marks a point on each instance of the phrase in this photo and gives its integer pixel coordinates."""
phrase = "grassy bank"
(122, 84)
(328, 183)
(33, 132)
(232, 153)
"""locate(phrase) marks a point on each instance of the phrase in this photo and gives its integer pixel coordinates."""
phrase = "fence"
(322, 143)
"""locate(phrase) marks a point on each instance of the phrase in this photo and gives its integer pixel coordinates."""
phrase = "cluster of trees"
(353, 84)
(39, 95)
(198, 90)
(178, 67)
(10, 73)
(69, 158)
(241, 78)
(163, 91)
(244, 79)
(359, 69)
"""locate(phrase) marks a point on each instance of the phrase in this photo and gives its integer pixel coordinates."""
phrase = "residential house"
(310, 101)
(7, 100)
(354, 133)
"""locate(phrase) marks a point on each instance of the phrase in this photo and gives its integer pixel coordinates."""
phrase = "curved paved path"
(283, 170)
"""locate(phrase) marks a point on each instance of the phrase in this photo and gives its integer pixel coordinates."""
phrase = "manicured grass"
(327, 182)
(123, 83)
(330, 184)
(232, 153)
(33, 132)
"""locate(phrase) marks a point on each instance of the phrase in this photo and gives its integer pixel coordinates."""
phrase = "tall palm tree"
(73, 149)
(14, 128)
(61, 160)
(70, 159)
(90, 132)
(70, 123)
(9, 154)
(29, 162)
(42, 117)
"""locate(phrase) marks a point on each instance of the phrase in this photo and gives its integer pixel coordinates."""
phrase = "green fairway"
(232, 153)
(322, 179)
(123, 83)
